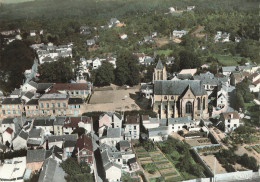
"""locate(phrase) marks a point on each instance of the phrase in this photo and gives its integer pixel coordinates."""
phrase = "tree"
(239, 101)
(14, 60)
(104, 74)
(60, 71)
(127, 70)
(188, 60)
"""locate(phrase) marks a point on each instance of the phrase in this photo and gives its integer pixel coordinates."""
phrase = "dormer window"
(165, 97)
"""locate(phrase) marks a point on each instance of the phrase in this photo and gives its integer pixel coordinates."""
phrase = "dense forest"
(61, 21)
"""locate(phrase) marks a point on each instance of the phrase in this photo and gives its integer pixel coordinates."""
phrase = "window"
(27, 107)
(135, 127)
(198, 103)
(81, 92)
(204, 104)
(41, 105)
(3, 111)
(13, 111)
(165, 97)
(63, 104)
(8, 112)
(188, 107)
(47, 105)
(52, 105)
(172, 97)
(7, 106)
(18, 106)
(86, 92)
(58, 104)
(77, 93)
(13, 106)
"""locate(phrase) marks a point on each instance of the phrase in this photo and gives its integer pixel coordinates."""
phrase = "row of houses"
(46, 99)
(50, 52)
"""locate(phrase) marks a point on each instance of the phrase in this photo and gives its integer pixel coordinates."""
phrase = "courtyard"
(115, 98)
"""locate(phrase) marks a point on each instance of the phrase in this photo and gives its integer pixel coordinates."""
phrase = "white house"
(20, 142)
(255, 82)
(140, 56)
(179, 33)
(123, 36)
(8, 135)
(158, 134)
(189, 8)
(229, 121)
(13, 170)
(177, 124)
(33, 33)
(96, 63)
(112, 137)
(132, 127)
(149, 122)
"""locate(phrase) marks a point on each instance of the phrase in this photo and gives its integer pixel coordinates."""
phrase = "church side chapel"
(178, 98)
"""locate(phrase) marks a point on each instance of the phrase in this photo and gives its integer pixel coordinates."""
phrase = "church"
(178, 98)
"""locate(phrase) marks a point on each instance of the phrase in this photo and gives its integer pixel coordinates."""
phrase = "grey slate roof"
(43, 86)
(37, 155)
(51, 172)
(159, 65)
(105, 158)
(23, 135)
(110, 164)
(35, 133)
(33, 84)
(32, 102)
(59, 120)
(69, 143)
(177, 87)
(16, 92)
(162, 130)
(8, 121)
(180, 120)
(124, 143)
(43, 122)
(29, 95)
(75, 101)
(72, 137)
(33, 142)
(12, 101)
(113, 133)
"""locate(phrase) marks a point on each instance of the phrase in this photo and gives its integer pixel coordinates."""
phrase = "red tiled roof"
(132, 119)
(9, 130)
(70, 86)
(145, 117)
(252, 76)
(84, 142)
(227, 115)
(73, 121)
(256, 82)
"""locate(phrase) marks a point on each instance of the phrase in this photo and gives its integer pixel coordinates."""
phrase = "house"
(227, 70)
(112, 169)
(20, 142)
(149, 122)
(188, 71)
(96, 63)
(54, 153)
(68, 148)
(32, 107)
(36, 138)
(35, 159)
(51, 172)
(44, 123)
(177, 124)
(27, 96)
(75, 106)
(124, 146)
(133, 164)
(8, 122)
(58, 125)
(113, 21)
(179, 33)
(110, 119)
(85, 30)
(255, 82)
(140, 57)
(53, 104)
(148, 60)
(123, 36)
(8, 135)
(13, 169)
(11, 107)
(189, 8)
(222, 96)
(111, 137)
(91, 42)
(132, 127)
(82, 90)
(229, 121)
(146, 90)
(71, 123)
(32, 33)
(147, 39)
(237, 77)
(84, 150)
(170, 60)
(158, 134)
(59, 140)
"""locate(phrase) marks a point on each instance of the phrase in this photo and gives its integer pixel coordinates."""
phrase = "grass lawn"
(166, 52)
(227, 60)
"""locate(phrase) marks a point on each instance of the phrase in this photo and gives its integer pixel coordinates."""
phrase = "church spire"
(159, 64)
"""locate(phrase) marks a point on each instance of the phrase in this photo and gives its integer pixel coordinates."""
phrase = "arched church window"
(198, 103)
(188, 107)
